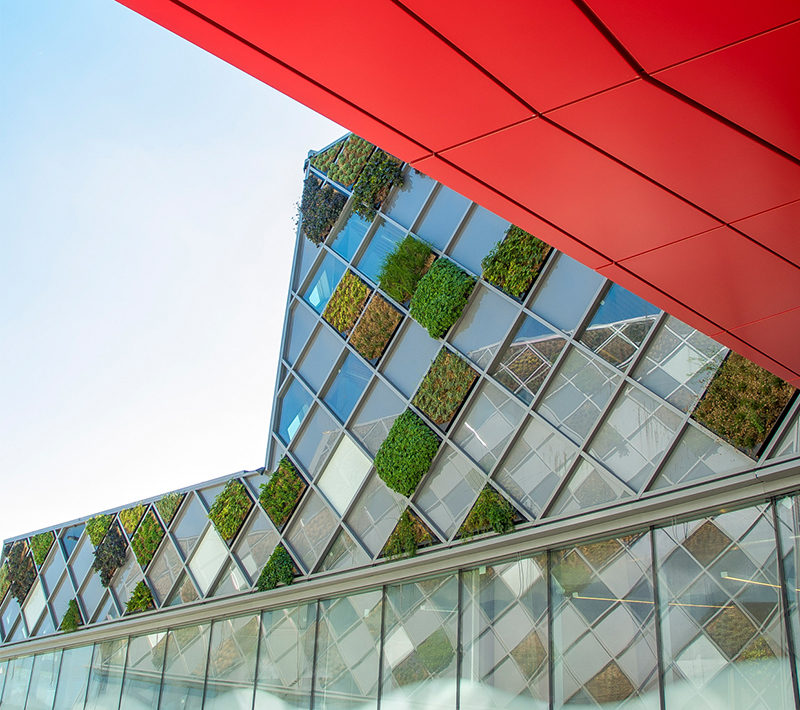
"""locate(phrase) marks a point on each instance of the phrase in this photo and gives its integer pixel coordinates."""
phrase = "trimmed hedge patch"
(141, 599)
(380, 174)
(441, 297)
(405, 455)
(168, 505)
(444, 387)
(278, 570)
(514, 263)
(72, 618)
(229, 509)
(376, 327)
(280, 494)
(403, 268)
(320, 207)
(406, 538)
(490, 512)
(351, 161)
(130, 517)
(323, 161)
(21, 570)
(743, 402)
(147, 539)
(97, 527)
(346, 302)
(40, 546)
(109, 555)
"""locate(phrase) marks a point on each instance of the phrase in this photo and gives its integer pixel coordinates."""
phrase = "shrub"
(440, 297)
(407, 536)
(280, 494)
(141, 599)
(323, 161)
(131, 516)
(168, 505)
(376, 327)
(278, 570)
(403, 268)
(490, 512)
(97, 527)
(514, 263)
(40, 546)
(5, 582)
(109, 555)
(346, 303)
(444, 387)
(380, 174)
(72, 619)
(406, 453)
(320, 207)
(743, 402)
(229, 509)
(147, 539)
(21, 570)
(351, 161)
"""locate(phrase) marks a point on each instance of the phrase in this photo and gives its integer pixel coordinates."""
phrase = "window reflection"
(324, 282)
(293, 409)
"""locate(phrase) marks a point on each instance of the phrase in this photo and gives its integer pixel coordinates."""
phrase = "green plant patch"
(376, 327)
(490, 512)
(147, 539)
(168, 505)
(515, 262)
(403, 268)
(278, 570)
(320, 207)
(444, 387)
(743, 402)
(323, 161)
(379, 175)
(40, 546)
(72, 619)
(280, 494)
(109, 555)
(441, 297)
(351, 160)
(406, 453)
(97, 527)
(5, 582)
(346, 302)
(407, 537)
(21, 570)
(141, 599)
(229, 509)
(130, 517)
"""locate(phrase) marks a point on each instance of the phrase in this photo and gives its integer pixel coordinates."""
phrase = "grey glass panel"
(719, 596)
(70, 538)
(185, 668)
(484, 431)
(73, 678)
(163, 571)
(143, 671)
(579, 391)
(105, 678)
(34, 605)
(348, 640)
(44, 677)
(301, 323)
(344, 473)
(345, 553)
(788, 510)
(375, 417)
(3, 674)
(420, 642)
(52, 570)
(231, 581)
(410, 358)
(106, 611)
(232, 664)
(324, 283)
(184, 592)
(604, 639)
(208, 559)
(307, 252)
(293, 408)
(481, 232)
(45, 626)
(315, 443)
(790, 441)
(312, 528)
(535, 466)
(483, 326)
(383, 241)
(17, 681)
(126, 578)
(91, 594)
(375, 514)
(346, 240)
(286, 657)
(442, 216)
(588, 487)
(209, 493)
(81, 560)
(190, 525)
(322, 352)
(504, 633)
(256, 544)
(406, 203)
(10, 613)
(565, 293)
(350, 381)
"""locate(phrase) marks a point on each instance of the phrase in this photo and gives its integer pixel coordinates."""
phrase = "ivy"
(514, 262)
(147, 539)
(97, 527)
(109, 555)
(278, 570)
(346, 302)
(351, 161)
(21, 570)
(279, 495)
(376, 327)
(168, 505)
(229, 509)
(406, 538)
(441, 297)
(141, 599)
(380, 174)
(406, 453)
(444, 387)
(404, 266)
(72, 618)
(130, 517)
(490, 512)
(320, 207)
(40, 546)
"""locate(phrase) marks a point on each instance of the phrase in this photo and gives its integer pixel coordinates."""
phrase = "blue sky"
(147, 197)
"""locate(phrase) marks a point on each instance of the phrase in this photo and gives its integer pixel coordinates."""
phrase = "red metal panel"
(746, 349)
(547, 51)
(778, 229)
(579, 189)
(662, 33)
(684, 149)
(782, 330)
(755, 84)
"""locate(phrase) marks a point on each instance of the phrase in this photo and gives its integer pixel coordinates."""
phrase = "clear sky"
(147, 200)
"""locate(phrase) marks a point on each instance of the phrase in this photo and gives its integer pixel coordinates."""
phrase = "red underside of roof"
(658, 143)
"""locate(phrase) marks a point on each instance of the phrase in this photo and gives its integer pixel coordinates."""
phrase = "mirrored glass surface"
(442, 215)
(375, 514)
(105, 678)
(51, 572)
(164, 570)
(207, 560)
(320, 355)
(73, 678)
(126, 578)
(17, 680)
(232, 664)
(410, 358)
(588, 487)
(481, 232)
(346, 240)
(301, 323)
(34, 604)
(483, 326)
(307, 253)
(231, 581)
(143, 671)
(70, 538)
(790, 441)
(315, 443)
(185, 668)
(59, 600)
(405, 204)
(311, 530)
(190, 525)
(91, 594)
(81, 560)
(344, 473)
(349, 382)
(293, 408)
(376, 416)
(323, 283)
(44, 678)
(383, 241)
(345, 553)
(256, 544)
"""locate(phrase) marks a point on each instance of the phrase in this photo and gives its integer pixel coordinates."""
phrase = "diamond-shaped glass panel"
(208, 558)
(164, 570)
(190, 525)
(293, 408)
(345, 553)
(405, 204)
(70, 538)
(313, 526)
(790, 442)
(410, 358)
(483, 326)
(375, 514)
(301, 323)
(350, 381)
(184, 592)
(442, 216)
(383, 241)
(91, 594)
(51, 572)
(126, 578)
(481, 232)
(311, 447)
(81, 560)
(34, 604)
(232, 581)
(344, 473)
(376, 415)
(346, 239)
(588, 487)
(324, 282)
(256, 544)
(60, 599)
(320, 355)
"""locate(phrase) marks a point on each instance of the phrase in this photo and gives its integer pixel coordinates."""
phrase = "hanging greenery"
(147, 539)
(406, 453)
(130, 517)
(72, 618)
(441, 297)
(21, 570)
(406, 538)
(380, 174)
(109, 555)
(278, 570)
(97, 527)
(141, 599)
(230, 508)
(320, 207)
(40, 546)
(280, 494)
(490, 512)
(351, 160)
(404, 266)
(168, 505)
